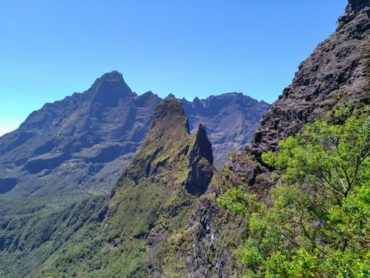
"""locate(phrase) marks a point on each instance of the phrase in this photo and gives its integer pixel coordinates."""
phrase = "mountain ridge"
(83, 141)
(336, 74)
(160, 184)
(163, 218)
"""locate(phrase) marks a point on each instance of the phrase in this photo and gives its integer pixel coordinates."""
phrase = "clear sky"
(50, 49)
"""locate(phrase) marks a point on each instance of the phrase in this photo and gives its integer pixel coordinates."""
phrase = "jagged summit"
(114, 75)
(100, 130)
(200, 163)
(357, 5)
(168, 108)
(169, 143)
(204, 146)
(353, 9)
(169, 120)
(110, 87)
(231, 120)
(171, 96)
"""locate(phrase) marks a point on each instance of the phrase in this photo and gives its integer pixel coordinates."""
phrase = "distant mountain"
(163, 218)
(84, 141)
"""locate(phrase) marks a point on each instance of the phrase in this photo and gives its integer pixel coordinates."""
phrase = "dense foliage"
(315, 222)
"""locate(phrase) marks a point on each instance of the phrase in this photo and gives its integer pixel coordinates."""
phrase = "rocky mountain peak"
(203, 145)
(112, 76)
(200, 163)
(334, 73)
(110, 87)
(169, 143)
(171, 96)
(231, 120)
(169, 120)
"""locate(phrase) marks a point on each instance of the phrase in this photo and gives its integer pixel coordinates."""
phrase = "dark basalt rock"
(200, 163)
(356, 6)
(231, 121)
(337, 72)
(202, 146)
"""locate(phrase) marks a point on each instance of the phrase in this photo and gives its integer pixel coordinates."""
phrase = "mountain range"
(163, 217)
(83, 142)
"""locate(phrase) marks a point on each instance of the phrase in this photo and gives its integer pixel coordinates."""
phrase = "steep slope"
(337, 73)
(231, 120)
(82, 142)
(163, 219)
(131, 234)
(31, 229)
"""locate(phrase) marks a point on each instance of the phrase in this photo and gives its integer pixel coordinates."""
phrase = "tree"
(316, 221)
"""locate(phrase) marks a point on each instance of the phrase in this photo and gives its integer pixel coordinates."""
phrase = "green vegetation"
(32, 229)
(315, 222)
(137, 231)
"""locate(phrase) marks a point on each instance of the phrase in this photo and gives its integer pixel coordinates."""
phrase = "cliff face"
(336, 73)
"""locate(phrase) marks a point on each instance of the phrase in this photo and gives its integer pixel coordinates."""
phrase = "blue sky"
(50, 49)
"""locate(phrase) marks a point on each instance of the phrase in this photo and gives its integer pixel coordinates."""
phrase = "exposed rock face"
(231, 120)
(200, 163)
(356, 6)
(83, 141)
(337, 72)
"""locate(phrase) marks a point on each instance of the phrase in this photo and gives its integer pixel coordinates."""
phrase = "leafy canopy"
(316, 221)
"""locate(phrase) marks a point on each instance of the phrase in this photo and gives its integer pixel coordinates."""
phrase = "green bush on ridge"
(315, 222)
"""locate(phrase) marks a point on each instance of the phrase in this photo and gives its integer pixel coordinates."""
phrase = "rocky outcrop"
(200, 163)
(354, 8)
(336, 73)
(231, 120)
(181, 164)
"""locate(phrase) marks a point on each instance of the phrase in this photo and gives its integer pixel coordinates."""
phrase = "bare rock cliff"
(336, 72)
